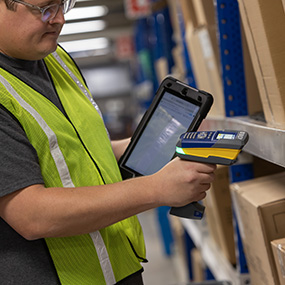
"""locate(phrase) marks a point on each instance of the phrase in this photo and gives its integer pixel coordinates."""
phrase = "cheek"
(24, 43)
(25, 36)
(16, 29)
(10, 36)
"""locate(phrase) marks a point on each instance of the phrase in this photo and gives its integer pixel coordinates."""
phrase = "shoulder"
(19, 165)
(66, 61)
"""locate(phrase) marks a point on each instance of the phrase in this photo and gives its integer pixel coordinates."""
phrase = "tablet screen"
(156, 146)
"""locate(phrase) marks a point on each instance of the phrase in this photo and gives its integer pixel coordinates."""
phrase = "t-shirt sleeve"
(19, 167)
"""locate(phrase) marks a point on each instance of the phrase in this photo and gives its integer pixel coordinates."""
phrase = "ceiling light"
(86, 12)
(83, 27)
(86, 45)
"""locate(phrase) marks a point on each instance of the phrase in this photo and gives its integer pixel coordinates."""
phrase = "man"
(66, 216)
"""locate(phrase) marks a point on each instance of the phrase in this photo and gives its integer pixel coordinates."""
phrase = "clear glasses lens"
(68, 5)
(50, 12)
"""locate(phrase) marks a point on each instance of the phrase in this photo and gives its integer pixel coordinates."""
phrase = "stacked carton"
(201, 37)
(263, 22)
(259, 203)
(260, 209)
(178, 69)
(219, 214)
(278, 248)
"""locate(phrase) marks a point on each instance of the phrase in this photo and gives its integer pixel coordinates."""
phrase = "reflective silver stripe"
(103, 258)
(75, 79)
(53, 144)
(79, 84)
(96, 237)
(66, 179)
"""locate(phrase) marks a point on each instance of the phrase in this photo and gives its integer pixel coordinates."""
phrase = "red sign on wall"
(137, 8)
(124, 47)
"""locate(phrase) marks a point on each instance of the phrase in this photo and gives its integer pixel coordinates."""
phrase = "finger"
(206, 177)
(201, 196)
(203, 167)
(208, 168)
(205, 187)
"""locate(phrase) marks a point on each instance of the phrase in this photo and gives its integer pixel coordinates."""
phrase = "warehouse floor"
(161, 269)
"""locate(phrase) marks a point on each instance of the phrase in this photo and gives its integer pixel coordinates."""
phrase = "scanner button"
(202, 135)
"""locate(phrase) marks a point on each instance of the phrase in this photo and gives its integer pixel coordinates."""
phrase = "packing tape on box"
(281, 258)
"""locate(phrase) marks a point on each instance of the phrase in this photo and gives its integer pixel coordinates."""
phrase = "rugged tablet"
(175, 109)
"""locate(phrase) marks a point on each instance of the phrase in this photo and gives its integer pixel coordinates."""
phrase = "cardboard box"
(175, 14)
(283, 3)
(263, 22)
(161, 68)
(219, 213)
(253, 97)
(202, 44)
(198, 265)
(260, 208)
(178, 70)
(199, 12)
(189, 15)
(205, 12)
(278, 248)
(262, 167)
(206, 67)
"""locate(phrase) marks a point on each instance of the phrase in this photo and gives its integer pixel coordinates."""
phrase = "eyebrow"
(46, 3)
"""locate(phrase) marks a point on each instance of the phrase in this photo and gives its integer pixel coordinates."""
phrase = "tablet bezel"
(179, 89)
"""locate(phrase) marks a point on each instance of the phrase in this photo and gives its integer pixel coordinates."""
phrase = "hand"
(181, 182)
(37, 212)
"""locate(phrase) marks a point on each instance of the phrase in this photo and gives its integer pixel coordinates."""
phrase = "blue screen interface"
(156, 146)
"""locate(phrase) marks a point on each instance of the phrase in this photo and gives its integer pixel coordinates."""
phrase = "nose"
(59, 17)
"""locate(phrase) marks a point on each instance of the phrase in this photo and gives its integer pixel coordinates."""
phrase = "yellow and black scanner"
(217, 147)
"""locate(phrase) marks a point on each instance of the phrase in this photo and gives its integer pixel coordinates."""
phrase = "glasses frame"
(43, 9)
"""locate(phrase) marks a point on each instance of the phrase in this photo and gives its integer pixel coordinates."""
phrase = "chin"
(48, 50)
(48, 44)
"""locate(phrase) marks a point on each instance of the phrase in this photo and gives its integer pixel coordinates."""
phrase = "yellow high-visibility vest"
(75, 151)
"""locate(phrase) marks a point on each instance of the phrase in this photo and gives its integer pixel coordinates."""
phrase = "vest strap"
(75, 79)
(65, 179)
(79, 84)
(53, 144)
(103, 258)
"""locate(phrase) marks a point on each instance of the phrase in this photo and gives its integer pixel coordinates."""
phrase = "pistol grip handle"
(193, 211)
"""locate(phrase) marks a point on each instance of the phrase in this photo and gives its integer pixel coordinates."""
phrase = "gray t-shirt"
(22, 261)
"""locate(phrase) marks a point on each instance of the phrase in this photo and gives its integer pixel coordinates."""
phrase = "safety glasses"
(49, 12)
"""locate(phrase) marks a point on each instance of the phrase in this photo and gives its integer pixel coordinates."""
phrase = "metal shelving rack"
(265, 142)
(217, 263)
(231, 54)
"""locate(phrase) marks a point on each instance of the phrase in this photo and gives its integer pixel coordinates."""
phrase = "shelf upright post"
(229, 36)
(147, 42)
(161, 44)
(162, 41)
(144, 73)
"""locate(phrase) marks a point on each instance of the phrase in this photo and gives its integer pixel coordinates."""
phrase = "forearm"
(119, 146)
(55, 212)
(38, 212)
